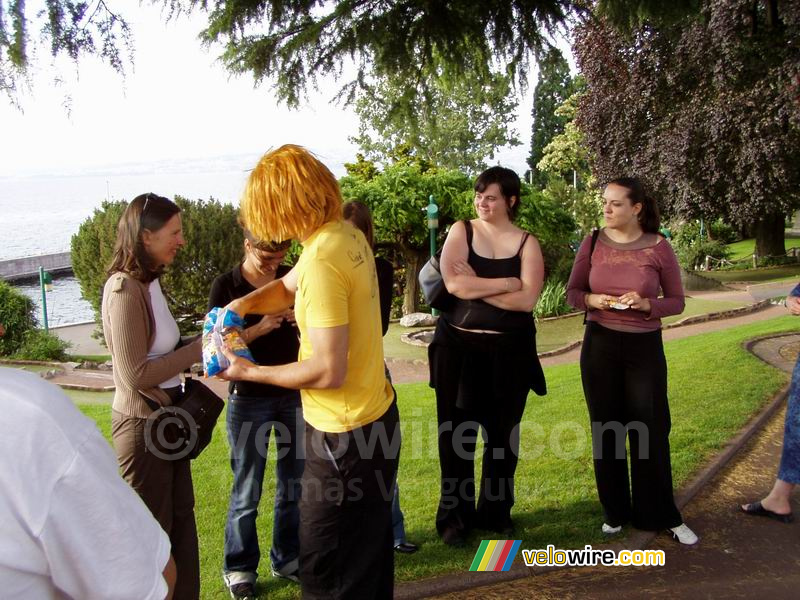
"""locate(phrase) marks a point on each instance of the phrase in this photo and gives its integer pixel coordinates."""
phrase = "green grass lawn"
(701, 306)
(555, 490)
(33, 368)
(84, 397)
(557, 333)
(98, 358)
(756, 275)
(394, 348)
(744, 248)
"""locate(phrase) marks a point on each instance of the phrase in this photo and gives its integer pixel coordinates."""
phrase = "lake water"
(65, 305)
(40, 213)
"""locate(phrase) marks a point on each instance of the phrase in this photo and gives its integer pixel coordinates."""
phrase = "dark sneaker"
(406, 548)
(453, 537)
(243, 591)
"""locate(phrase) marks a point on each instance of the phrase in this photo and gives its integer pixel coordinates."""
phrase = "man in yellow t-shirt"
(337, 286)
(352, 435)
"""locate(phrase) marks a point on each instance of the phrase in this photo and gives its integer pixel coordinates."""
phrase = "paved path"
(85, 379)
(406, 371)
(685, 331)
(763, 291)
(727, 294)
(80, 338)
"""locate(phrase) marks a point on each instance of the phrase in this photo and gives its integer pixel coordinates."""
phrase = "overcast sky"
(176, 104)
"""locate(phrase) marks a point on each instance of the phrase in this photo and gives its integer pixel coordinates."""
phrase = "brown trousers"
(166, 488)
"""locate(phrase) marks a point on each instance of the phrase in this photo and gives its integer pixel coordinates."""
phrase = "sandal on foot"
(755, 508)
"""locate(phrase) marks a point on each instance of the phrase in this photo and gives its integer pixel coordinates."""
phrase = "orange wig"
(289, 195)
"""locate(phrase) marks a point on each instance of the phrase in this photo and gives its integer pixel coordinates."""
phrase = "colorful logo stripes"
(495, 555)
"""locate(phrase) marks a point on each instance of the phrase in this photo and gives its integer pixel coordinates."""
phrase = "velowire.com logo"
(495, 555)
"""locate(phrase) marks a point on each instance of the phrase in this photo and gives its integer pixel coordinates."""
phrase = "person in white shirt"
(70, 527)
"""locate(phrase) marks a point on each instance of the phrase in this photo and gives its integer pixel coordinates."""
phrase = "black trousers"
(346, 542)
(481, 385)
(625, 383)
(458, 434)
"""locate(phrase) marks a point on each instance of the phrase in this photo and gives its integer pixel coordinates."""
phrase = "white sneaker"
(684, 535)
(608, 529)
(291, 576)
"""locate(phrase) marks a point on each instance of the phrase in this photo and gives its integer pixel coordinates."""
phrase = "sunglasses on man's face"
(265, 256)
(270, 246)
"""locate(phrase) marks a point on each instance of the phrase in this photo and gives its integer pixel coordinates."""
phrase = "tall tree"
(70, 28)
(452, 121)
(553, 87)
(294, 42)
(567, 155)
(707, 112)
(626, 15)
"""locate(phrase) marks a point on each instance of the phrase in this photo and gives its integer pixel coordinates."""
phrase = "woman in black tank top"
(483, 357)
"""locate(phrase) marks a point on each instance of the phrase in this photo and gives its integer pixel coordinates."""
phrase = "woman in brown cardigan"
(142, 337)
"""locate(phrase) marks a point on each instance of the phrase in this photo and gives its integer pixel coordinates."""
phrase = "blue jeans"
(250, 421)
(789, 470)
(398, 522)
(398, 525)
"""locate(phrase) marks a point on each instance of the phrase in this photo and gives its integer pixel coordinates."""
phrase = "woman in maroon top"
(623, 368)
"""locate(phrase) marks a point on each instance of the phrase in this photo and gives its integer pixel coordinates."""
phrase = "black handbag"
(184, 429)
(432, 284)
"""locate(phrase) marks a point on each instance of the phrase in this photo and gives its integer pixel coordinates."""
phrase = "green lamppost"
(433, 227)
(45, 284)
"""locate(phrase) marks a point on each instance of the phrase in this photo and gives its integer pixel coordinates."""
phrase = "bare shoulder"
(457, 229)
(530, 240)
(455, 244)
(531, 246)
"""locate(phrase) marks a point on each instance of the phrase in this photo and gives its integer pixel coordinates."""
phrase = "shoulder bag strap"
(595, 233)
